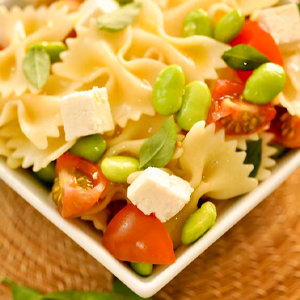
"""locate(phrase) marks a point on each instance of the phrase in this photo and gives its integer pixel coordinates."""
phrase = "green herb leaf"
(20, 292)
(158, 150)
(243, 57)
(118, 19)
(120, 288)
(298, 6)
(124, 2)
(83, 295)
(280, 151)
(36, 67)
(254, 151)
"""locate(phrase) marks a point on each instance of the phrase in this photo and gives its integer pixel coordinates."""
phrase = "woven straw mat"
(259, 258)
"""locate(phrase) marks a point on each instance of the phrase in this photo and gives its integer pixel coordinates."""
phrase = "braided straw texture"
(259, 258)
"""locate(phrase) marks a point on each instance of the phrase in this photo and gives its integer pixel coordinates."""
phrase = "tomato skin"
(256, 35)
(286, 129)
(75, 199)
(236, 116)
(132, 236)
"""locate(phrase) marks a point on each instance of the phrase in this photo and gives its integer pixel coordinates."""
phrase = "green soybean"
(142, 269)
(168, 90)
(47, 174)
(229, 26)
(265, 84)
(197, 22)
(90, 147)
(198, 223)
(195, 105)
(52, 48)
(118, 168)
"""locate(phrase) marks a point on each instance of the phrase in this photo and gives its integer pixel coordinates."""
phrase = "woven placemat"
(259, 258)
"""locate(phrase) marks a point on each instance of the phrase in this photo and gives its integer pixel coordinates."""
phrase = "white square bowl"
(89, 239)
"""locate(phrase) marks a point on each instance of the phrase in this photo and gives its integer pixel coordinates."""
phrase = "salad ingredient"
(197, 22)
(52, 48)
(124, 2)
(255, 34)
(155, 191)
(94, 9)
(243, 57)
(134, 237)
(195, 105)
(198, 223)
(90, 147)
(119, 19)
(86, 113)
(237, 117)
(168, 90)
(229, 26)
(286, 129)
(118, 168)
(78, 185)
(280, 151)
(47, 174)
(265, 84)
(283, 23)
(142, 268)
(36, 67)
(159, 149)
(21, 292)
(254, 152)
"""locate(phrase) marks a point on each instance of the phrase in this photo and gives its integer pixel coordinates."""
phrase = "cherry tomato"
(286, 129)
(78, 185)
(256, 35)
(132, 236)
(236, 116)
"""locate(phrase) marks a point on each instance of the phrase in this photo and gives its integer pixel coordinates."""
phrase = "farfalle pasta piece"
(290, 97)
(24, 27)
(23, 153)
(267, 161)
(39, 117)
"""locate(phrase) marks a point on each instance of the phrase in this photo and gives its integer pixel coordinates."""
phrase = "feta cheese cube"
(155, 191)
(86, 113)
(283, 23)
(93, 9)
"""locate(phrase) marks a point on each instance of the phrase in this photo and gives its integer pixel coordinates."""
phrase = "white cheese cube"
(283, 23)
(155, 191)
(86, 113)
(95, 8)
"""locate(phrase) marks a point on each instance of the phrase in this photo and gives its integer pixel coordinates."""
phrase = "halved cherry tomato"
(132, 236)
(78, 185)
(286, 129)
(256, 35)
(236, 116)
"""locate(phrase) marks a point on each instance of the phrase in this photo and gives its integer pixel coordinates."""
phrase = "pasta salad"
(141, 115)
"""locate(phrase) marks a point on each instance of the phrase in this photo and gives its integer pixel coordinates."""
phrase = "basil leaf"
(158, 150)
(83, 295)
(118, 19)
(298, 6)
(124, 2)
(280, 151)
(120, 288)
(20, 292)
(254, 151)
(244, 58)
(36, 67)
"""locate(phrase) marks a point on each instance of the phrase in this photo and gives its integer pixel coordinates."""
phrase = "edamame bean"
(266, 82)
(90, 147)
(52, 48)
(118, 168)
(195, 105)
(47, 174)
(197, 22)
(168, 90)
(142, 269)
(198, 223)
(229, 26)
